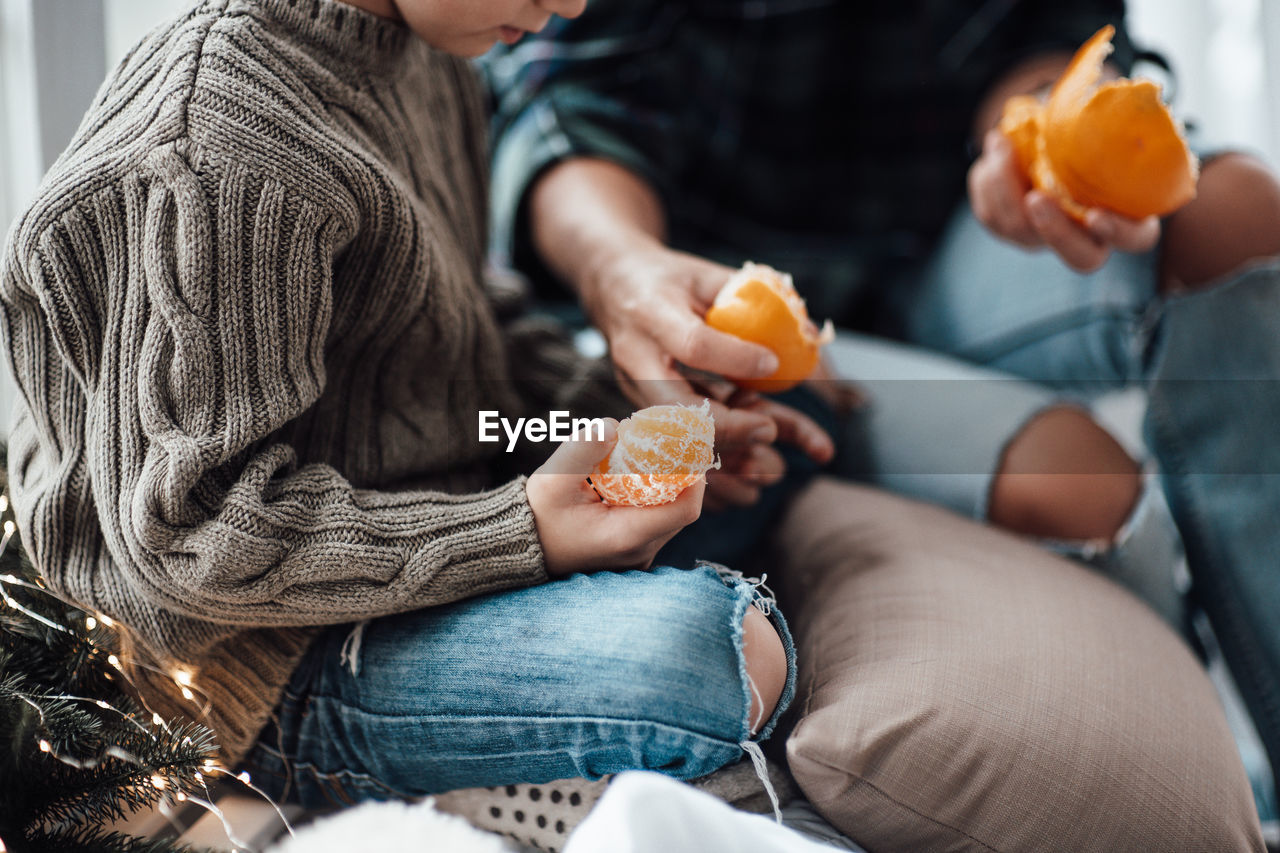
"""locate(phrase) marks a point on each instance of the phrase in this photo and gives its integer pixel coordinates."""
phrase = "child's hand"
(1004, 202)
(581, 533)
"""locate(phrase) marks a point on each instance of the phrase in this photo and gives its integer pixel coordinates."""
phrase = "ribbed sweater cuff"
(486, 541)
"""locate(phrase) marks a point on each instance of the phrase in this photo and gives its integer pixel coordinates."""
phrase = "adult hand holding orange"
(760, 304)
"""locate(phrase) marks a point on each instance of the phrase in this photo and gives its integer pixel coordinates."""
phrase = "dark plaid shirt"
(827, 137)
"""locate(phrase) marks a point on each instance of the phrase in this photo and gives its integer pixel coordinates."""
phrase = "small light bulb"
(159, 782)
(103, 704)
(9, 527)
(114, 661)
(187, 694)
(4, 502)
(183, 677)
(182, 798)
(157, 719)
(45, 746)
(243, 776)
(90, 623)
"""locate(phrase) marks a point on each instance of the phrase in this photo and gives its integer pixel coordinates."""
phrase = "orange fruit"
(760, 304)
(1113, 145)
(660, 452)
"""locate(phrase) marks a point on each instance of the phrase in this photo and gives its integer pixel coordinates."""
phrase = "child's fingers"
(1127, 235)
(996, 191)
(579, 454)
(1076, 246)
(631, 527)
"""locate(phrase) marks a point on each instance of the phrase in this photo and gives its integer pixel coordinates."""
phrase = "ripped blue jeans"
(1024, 332)
(584, 676)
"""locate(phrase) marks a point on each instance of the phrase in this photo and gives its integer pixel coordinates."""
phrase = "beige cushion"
(961, 689)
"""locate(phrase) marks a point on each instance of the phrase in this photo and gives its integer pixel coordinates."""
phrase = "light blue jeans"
(583, 676)
(1024, 332)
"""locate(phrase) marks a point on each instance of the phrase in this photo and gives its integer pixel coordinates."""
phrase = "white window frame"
(52, 60)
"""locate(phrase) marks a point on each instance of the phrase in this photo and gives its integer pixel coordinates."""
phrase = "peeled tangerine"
(661, 451)
(1114, 145)
(760, 304)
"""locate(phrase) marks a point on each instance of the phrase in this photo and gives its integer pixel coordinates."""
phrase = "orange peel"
(1112, 145)
(660, 452)
(760, 304)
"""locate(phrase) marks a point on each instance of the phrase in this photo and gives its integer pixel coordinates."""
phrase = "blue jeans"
(1209, 363)
(584, 676)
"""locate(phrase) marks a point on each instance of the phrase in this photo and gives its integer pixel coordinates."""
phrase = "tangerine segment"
(1113, 145)
(660, 452)
(760, 304)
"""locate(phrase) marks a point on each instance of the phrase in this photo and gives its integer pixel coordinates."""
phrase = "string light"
(183, 677)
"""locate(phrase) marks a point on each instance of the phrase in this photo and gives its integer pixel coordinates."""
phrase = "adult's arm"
(588, 154)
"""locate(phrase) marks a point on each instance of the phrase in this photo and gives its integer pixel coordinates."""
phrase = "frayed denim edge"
(756, 592)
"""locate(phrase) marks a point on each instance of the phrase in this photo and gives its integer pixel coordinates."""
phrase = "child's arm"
(165, 361)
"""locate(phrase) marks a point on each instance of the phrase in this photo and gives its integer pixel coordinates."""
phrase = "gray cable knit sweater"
(247, 320)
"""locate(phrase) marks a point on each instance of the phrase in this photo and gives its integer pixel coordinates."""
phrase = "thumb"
(579, 454)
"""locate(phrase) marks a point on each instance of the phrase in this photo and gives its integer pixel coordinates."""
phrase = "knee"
(1234, 219)
(766, 665)
(1064, 477)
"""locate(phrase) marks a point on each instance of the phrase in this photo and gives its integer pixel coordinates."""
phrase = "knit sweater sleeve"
(207, 336)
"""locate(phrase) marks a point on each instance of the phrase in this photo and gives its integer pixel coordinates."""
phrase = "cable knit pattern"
(246, 316)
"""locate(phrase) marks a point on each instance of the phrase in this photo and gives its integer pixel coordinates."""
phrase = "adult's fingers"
(727, 489)
(797, 429)
(682, 335)
(1079, 249)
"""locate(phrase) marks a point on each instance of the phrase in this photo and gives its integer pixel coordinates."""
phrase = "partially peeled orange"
(1112, 145)
(760, 304)
(660, 452)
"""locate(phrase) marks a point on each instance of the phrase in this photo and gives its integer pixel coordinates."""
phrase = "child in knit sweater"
(247, 318)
